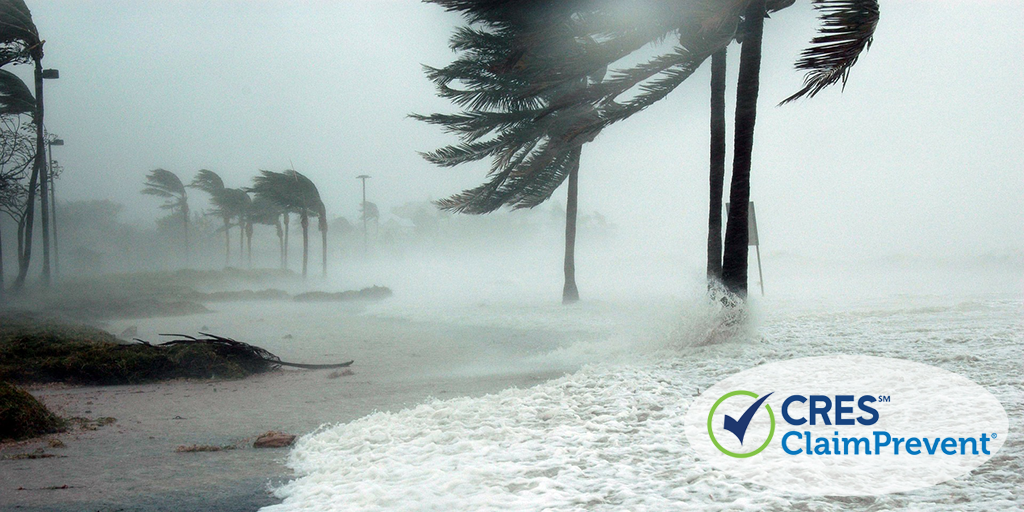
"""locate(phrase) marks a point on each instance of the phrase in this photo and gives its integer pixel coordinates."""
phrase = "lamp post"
(43, 74)
(364, 177)
(53, 205)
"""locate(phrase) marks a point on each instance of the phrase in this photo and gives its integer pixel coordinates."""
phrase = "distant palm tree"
(164, 183)
(293, 192)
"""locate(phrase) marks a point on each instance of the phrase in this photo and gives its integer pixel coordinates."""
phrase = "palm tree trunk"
(734, 263)
(248, 236)
(188, 250)
(287, 219)
(227, 242)
(717, 172)
(304, 218)
(323, 241)
(570, 293)
(1, 268)
(241, 243)
(280, 241)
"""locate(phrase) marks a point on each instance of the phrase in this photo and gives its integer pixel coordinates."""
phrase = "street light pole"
(44, 74)
(364, 177)
(53, 206)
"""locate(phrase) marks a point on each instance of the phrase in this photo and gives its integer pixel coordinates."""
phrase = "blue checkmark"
(739, 427)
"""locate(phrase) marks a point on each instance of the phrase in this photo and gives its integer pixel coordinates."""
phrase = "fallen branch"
(228, 347)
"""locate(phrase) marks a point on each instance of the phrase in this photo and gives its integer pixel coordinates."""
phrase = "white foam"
(610, 436)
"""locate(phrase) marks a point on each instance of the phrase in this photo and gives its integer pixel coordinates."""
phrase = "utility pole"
(364, 177)
(53, 205)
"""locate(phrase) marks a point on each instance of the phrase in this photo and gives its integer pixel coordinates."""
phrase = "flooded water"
(610, 436)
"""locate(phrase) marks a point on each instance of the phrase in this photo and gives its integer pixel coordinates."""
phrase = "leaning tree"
(493, 83)
(166, 184)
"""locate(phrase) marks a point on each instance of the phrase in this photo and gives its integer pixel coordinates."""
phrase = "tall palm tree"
(292, 191)
(734, 260)
(530, 160)
(165, 184)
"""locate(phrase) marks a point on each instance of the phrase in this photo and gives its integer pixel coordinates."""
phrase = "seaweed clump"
(22, 416)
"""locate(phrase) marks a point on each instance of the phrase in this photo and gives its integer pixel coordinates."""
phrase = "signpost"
(752, 239)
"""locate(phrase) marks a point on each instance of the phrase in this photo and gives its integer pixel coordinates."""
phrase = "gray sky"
(920, 155)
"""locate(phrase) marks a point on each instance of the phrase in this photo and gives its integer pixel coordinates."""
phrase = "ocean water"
(609, 435)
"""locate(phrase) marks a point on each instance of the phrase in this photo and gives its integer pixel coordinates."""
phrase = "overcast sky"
(921, 154)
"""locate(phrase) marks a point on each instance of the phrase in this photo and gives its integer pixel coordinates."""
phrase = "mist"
(889, 222)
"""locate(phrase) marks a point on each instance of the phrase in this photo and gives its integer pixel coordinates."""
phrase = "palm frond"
(164, 183)
(847, 29)
(207, 181)
(15, 97)
(18, 34)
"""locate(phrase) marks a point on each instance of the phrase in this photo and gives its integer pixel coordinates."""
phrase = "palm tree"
(703, 28)
(165, 184)
(293, 192)
(530, 160)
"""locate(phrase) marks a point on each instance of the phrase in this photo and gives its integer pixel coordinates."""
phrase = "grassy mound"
(22, 416)
(368, 294)
(40, 351)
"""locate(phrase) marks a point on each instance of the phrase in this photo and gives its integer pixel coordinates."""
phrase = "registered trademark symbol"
(994, 435)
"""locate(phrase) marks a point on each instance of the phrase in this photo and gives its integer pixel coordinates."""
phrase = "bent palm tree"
(166, 184)
(293, 192)
(703, 27)
(530, 159)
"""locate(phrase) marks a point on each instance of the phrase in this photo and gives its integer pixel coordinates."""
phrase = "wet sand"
(132, 465)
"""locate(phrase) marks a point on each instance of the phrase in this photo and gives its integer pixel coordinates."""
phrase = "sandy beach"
(132, 464)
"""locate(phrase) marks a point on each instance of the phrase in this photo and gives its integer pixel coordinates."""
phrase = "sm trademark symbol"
(883, 398)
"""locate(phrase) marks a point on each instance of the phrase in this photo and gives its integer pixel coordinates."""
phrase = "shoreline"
(131, 464)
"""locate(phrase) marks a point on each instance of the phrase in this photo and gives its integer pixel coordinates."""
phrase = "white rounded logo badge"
(846, 425)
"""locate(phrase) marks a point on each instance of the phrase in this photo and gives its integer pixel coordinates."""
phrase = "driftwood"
(229, 347)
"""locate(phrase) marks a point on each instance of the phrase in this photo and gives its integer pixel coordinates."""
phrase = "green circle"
(711, 415)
